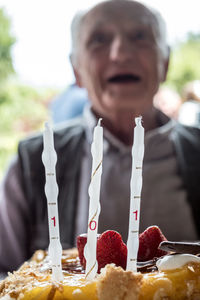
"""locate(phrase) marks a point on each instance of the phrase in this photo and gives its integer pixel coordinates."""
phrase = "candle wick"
(46, 125)
(138, 120)
(99, 122)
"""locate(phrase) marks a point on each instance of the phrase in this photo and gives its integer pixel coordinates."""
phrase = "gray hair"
(75, 32)
(159, 27)
(161, 30)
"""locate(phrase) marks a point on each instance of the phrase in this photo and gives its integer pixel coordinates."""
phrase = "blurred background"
(35, 72)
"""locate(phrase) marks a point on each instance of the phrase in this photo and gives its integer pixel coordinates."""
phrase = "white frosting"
(7, 297)
(170, 262)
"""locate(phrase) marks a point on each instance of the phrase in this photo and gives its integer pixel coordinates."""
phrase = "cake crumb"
(115, 283)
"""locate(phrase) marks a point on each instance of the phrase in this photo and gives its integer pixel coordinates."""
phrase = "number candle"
(94, 206)
(136, 186)
(49, 159)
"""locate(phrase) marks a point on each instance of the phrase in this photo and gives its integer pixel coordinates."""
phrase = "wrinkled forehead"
(118, 12)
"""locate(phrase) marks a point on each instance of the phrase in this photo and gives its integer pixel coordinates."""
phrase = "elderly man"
(120, 56)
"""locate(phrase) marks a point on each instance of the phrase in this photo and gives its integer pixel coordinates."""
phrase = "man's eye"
(98, 39)
(140, 36)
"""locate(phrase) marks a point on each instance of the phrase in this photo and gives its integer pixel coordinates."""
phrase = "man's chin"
(122, 99)
(127, 103)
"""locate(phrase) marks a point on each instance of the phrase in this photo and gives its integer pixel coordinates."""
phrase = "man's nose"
(120, 49)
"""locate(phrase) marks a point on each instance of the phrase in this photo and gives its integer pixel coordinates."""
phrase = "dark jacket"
(68, 145)
(187, 146)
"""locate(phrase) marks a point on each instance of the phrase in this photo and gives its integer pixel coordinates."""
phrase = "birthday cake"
(160, 274)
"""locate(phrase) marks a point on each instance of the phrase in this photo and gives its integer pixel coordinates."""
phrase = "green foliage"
(6, 43)
(23, 110)
(185, 62)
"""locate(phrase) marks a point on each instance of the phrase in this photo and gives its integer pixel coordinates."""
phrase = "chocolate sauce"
(73, 266)
(76, 268)
(147, 266)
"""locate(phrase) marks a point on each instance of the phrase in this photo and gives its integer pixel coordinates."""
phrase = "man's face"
(118, 60)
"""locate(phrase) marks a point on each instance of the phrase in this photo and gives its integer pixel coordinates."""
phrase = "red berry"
(110, 249)
(80, 242)
(149, 241)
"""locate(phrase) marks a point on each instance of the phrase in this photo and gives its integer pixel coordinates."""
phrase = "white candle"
(94, 205)
(136, 187)
(49, 159)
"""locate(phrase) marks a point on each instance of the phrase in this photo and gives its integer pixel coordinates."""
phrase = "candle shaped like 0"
(94, 205)
(136, 187)
(49, 159)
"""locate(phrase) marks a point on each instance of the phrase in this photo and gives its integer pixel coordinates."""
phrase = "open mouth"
(124, 78)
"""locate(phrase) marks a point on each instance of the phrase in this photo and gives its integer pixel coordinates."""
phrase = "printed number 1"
(54, 221)
(136, 214)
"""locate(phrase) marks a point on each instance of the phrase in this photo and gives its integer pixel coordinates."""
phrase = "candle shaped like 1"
(94, 205)
(49, 159)
(136, 187)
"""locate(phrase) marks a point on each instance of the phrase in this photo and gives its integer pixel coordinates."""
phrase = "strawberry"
(149, 241)
(80, 242)
(110, 249)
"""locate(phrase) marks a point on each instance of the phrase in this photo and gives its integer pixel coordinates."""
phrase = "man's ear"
(77, 77)
(166, 66)
(76, 72)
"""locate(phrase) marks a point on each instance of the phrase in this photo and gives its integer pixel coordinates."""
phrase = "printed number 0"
(94, 226)
(54, 221)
